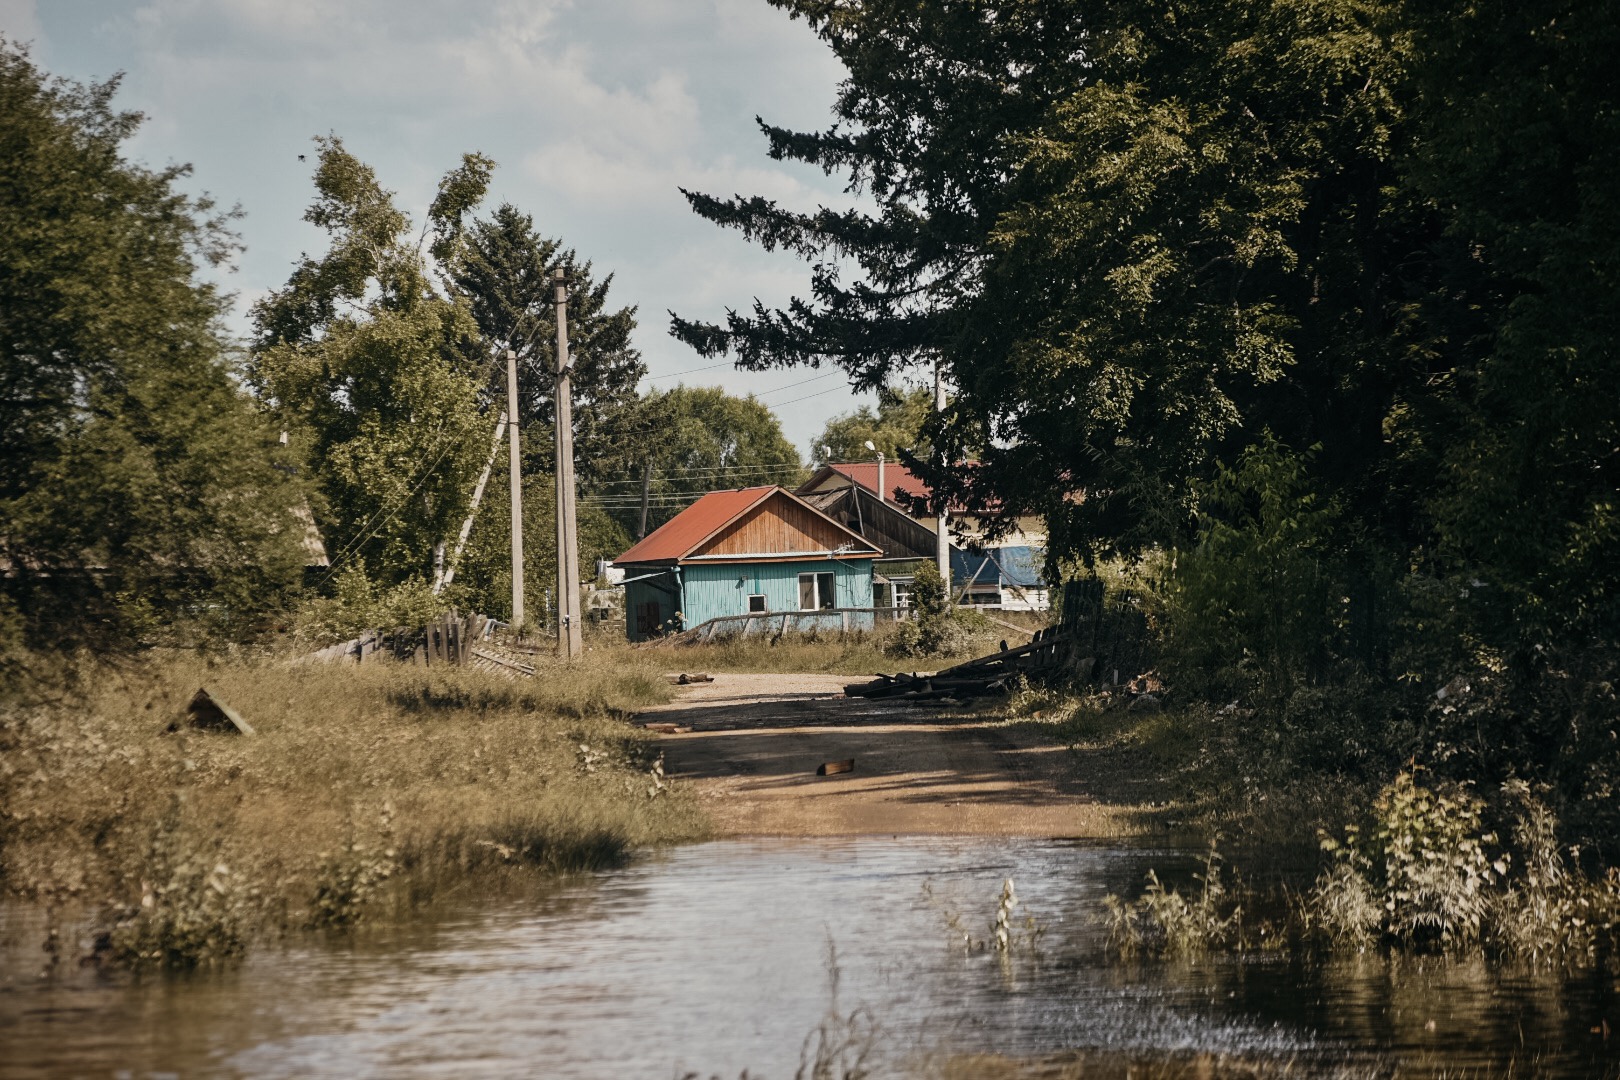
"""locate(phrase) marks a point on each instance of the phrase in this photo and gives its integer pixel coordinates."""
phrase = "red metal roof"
(677, 537)
(896, 477)
(683, 534)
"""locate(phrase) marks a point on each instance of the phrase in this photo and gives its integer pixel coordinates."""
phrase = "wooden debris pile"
(1051, 653)
(208, 713)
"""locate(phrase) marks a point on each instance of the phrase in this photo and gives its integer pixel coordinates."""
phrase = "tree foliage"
(378, 371)
(484, 576)
(137, 478)
(503, 272)
(694, 440)
(1160, 252)
(897, 424)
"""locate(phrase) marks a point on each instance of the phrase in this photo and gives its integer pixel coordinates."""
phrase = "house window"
(756, 603)
(816, 591)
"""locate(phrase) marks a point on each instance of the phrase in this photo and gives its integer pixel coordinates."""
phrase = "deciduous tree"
(138, 480)
(377, 371)
(897, 424)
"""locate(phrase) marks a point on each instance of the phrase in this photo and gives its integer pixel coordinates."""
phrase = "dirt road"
(756, 741)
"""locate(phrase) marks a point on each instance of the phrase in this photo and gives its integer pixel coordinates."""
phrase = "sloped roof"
(687, 532)
(896, 477)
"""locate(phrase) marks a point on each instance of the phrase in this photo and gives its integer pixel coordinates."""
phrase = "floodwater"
(721, 957)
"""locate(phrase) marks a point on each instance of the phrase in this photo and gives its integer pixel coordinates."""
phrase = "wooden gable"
(884, 525)
(778, 526)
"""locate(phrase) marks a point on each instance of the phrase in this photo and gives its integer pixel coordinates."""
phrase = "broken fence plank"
(209, 713)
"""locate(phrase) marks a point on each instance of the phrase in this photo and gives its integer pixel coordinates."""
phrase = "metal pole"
(942, 542)
(517, 491)
(569, 631)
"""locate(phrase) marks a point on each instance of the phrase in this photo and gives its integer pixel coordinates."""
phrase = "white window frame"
(764, 604)
(817, 601)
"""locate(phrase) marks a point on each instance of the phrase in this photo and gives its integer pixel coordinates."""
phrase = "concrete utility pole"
(942, 540)
(444, 575)
(517, 490)
(570, 640)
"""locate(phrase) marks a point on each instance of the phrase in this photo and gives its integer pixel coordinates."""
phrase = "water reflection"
(714, 958)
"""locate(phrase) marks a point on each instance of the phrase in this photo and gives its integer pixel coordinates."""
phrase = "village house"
(759, 552)
(1006, 575)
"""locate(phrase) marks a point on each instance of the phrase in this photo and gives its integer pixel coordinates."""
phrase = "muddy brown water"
(722, 957)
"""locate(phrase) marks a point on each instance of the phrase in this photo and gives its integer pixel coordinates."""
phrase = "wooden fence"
(452, 639)
(773, 624)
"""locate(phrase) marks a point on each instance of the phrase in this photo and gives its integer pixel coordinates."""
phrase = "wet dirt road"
(920, 768)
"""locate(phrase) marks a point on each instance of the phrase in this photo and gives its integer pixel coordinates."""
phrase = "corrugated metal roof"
(896, 477)
(686, 532)
(677, 537)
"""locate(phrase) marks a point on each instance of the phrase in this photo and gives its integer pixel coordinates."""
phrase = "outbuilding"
(759, 551)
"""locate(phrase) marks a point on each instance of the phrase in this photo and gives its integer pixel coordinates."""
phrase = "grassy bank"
(1321, 861)
(363, 791)
(1218, 777)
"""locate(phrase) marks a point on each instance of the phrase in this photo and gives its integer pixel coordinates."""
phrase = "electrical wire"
(689, 371)
(354, 546)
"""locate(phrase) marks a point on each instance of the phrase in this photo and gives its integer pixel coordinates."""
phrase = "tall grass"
(363, 791)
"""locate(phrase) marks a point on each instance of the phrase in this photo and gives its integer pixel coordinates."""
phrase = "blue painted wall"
(710, 590)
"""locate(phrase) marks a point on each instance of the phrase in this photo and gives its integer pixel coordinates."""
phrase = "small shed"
(756, 551)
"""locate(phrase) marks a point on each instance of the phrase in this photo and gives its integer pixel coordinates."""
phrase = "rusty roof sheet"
(687, 531)
(678, 536)
(896, 477)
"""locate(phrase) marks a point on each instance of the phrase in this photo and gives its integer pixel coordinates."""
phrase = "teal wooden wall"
(710, 590)
(637, 593)
(713, 590)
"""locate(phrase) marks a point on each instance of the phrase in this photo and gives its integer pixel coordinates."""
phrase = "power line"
(353, 546)
(689, 371)
(801, 382)
(696, 472)
(614, 436)
(807, 397)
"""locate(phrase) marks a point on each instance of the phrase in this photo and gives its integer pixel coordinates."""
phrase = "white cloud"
(597, 113)
(19, 21)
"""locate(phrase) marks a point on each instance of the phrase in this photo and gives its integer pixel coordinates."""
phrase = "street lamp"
(883, 496)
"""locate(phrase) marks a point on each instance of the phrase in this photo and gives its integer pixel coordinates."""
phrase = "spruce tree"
(504, 275)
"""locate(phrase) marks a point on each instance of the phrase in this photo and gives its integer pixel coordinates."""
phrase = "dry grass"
(362, 787)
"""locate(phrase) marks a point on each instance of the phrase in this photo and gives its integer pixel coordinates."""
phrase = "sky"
(596, 113)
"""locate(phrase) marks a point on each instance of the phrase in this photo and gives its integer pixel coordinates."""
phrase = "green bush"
(1426, 873)
(1419, 875)
(1162, 922)
(937, 630)
(348, 879)
(193, 910)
